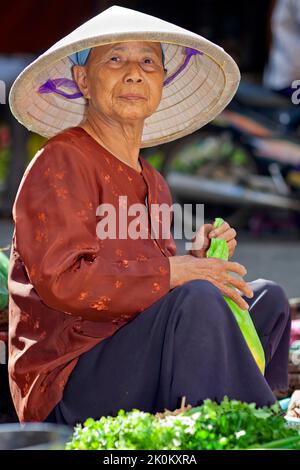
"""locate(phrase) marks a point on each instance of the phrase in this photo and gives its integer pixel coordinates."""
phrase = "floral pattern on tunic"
(83, 295)
(42, 217)
(102, 303)
(40, 236)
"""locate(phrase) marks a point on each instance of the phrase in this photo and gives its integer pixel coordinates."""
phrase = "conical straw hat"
(201, 80)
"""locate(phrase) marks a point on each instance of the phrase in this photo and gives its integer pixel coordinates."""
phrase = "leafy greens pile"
(229, 425)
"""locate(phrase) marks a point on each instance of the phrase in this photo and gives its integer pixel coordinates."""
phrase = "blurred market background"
(244, 166)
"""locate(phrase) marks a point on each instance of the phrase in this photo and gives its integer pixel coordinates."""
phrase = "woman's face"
(115, 70)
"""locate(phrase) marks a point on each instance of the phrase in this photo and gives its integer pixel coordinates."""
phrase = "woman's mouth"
(132, 97)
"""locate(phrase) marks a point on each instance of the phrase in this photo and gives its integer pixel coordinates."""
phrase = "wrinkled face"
(114, 71)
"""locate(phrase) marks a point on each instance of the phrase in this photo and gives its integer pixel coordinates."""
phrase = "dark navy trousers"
(187, 343)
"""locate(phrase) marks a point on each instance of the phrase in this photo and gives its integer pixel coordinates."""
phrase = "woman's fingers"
(204, 231)
(231, 247)
(235, 296)
(202, 238)
(235, 267)
(201, 242)
(232, 293)
(240, 284)
(207, 228)
(228, 235)
(216, 232)
(218, 271)
(223, 229)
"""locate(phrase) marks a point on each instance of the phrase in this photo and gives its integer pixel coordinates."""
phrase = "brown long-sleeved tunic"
(68, 288)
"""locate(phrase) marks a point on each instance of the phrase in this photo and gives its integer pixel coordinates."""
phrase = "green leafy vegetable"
(229, 425)
(219, 249)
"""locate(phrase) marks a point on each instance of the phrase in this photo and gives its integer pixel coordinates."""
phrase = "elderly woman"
(98, 324)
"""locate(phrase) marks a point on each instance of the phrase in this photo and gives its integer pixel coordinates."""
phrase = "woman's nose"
(133, 73)
(132, 78)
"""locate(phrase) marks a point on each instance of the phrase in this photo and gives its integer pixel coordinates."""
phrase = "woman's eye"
(119, 60)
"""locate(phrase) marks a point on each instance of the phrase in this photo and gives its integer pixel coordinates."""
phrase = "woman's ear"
(80, 77)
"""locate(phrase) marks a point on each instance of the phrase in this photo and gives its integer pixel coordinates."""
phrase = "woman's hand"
(201, 241)
(206, 232)
(187, 267)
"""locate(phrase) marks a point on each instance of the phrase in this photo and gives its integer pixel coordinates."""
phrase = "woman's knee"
(202, 298)
(276, 294)
(200, 289)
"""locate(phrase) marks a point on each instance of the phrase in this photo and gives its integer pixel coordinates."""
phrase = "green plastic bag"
(4, 264)
(219, 249)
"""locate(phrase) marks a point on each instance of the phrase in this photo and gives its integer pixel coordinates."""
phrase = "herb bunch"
(211, 426)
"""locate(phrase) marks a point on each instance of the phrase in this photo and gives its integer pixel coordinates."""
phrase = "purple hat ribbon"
(189, 52)
(52, 85)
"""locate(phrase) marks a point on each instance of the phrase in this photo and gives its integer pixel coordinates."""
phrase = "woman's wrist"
(177, 264)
